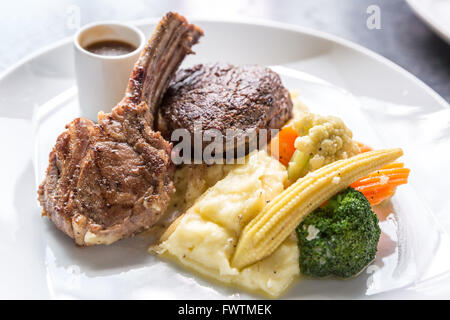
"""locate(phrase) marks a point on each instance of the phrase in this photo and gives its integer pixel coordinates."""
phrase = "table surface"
(403, 38)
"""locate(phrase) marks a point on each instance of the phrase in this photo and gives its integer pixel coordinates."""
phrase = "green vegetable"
(297, 165)
(339, 239)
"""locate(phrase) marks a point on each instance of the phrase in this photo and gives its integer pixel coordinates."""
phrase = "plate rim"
(260, 23)
(428, 20)
(255, 22)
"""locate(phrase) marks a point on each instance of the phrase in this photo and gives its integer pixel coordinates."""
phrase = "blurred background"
(27, 26)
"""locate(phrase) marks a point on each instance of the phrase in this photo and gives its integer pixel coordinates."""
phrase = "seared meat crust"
(109, 180)
(245, 98)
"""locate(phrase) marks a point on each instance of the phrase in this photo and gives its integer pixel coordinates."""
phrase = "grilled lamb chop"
(109, 180)
(222, 96)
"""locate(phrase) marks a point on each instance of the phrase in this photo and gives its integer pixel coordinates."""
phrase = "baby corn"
(283, 214)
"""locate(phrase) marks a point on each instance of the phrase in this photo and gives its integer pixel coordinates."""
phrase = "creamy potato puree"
(191, 181)
(298, 108)
(205, 237)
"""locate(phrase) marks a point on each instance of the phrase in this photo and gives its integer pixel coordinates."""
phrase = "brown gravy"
(110, 48)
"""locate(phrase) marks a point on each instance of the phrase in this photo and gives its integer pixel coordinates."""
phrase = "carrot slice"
(282, 145)
(390, 172)
(363, 147)
(380, 179)
(381, 196)
(398, 182)
(377, 186)
(394, 165)
(373, 187)
(381, 184)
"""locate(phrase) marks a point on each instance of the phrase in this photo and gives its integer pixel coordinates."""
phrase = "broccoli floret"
(339, 239)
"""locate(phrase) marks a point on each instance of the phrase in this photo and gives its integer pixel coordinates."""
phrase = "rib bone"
(109, 180)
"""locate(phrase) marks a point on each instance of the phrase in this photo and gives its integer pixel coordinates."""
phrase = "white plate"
(435, 13)
(38, 96)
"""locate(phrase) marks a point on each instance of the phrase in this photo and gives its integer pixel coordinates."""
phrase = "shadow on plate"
(96, 260)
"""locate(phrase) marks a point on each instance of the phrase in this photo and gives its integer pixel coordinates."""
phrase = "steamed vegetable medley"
(340, 237)
(243, 229)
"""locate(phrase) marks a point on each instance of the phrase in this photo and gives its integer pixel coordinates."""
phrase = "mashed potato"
(191, 181)
(205, 238)
(298, 108)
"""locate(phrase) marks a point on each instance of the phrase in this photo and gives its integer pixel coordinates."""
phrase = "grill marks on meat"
(222, 96)
(109, 180)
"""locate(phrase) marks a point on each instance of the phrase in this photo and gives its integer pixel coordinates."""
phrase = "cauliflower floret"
(324, 139)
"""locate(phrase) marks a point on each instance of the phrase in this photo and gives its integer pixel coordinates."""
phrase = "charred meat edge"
(162, 55)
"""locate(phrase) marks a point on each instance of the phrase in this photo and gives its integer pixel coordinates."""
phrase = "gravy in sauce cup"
(105, 54)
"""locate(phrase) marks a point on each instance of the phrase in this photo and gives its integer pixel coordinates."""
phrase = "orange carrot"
(394, 165)
(377, 185)
(381, 196)
(381, 184)
(398, 172)
(282, 145)
(363, 147)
